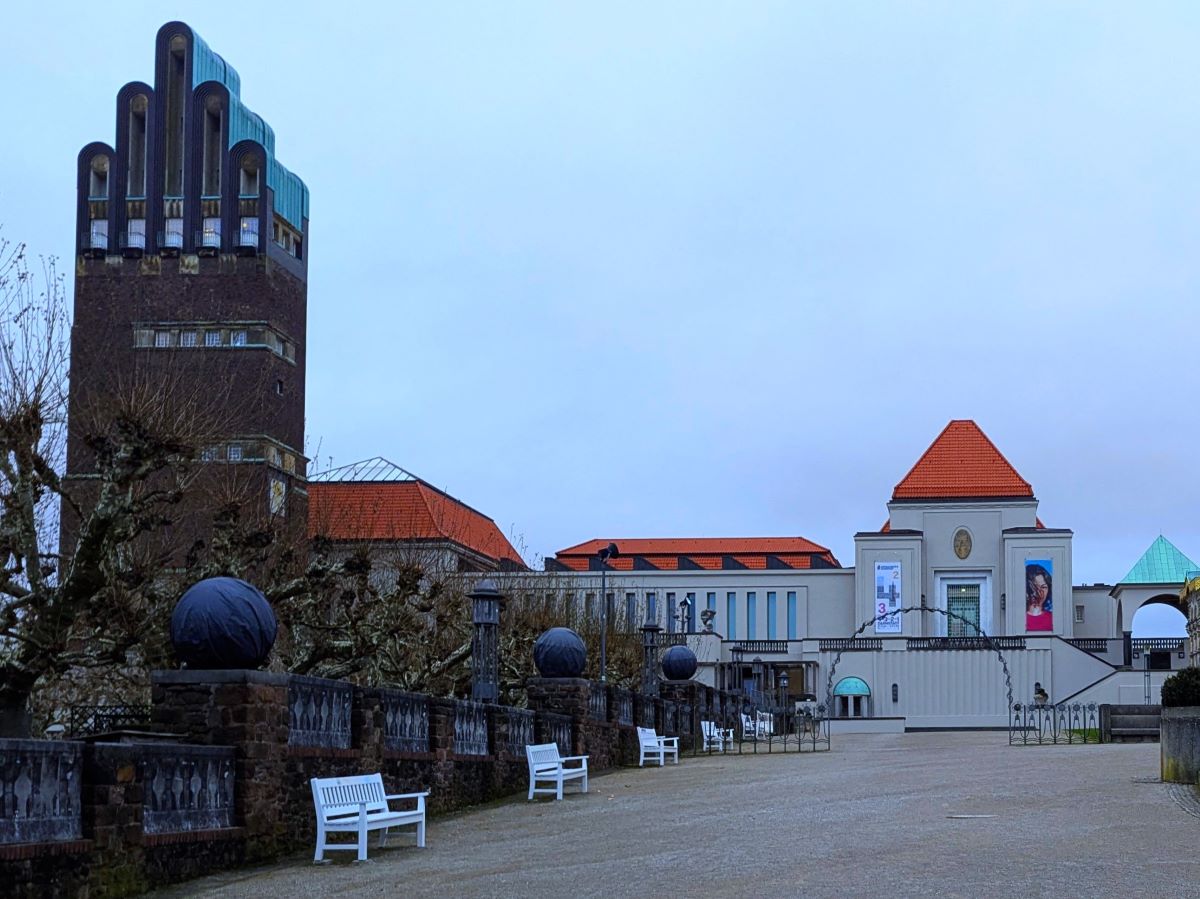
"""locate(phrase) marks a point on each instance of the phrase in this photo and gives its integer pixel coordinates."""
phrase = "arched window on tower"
(210, 181)
(135, 175)
(173, 125)
(97, 236)
(248, 188)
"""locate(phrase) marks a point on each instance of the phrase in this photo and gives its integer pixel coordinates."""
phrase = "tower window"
(248, 183)
(187, 338)
(162, 339)
(235, 452)
(98, 234)
(211, 183)
(212, 338)
(237, 338)
(211, 235)
(279, 387)
(136, 177)
(135, 234)
(98, 180)
(173, 236)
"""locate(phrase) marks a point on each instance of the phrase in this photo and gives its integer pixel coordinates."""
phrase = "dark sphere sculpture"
(223, 622)
(678, 663)
(559, 652)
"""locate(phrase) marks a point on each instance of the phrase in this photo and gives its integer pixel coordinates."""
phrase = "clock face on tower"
(962, 543)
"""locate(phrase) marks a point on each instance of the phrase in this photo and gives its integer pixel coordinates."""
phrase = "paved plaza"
(928, 814)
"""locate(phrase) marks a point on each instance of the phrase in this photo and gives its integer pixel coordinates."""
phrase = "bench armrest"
(406, 795)
(573, 758)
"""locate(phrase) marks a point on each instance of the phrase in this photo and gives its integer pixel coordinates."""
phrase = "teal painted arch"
(851, 686)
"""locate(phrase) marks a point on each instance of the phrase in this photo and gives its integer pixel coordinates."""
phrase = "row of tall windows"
(741, 620)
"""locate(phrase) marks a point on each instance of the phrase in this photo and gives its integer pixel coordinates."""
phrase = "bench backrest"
(542, 756)
(336, 796)
(710, 728)
(647, 736)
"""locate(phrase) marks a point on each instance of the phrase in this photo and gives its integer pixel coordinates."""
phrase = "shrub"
(1182, 688)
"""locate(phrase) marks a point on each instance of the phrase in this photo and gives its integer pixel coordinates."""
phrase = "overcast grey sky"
(710, 269)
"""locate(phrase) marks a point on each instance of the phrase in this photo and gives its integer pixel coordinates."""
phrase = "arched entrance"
(852, 698)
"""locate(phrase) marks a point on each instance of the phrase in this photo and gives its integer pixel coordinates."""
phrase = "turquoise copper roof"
(852, 686)
(291, 194)
(1162, 563)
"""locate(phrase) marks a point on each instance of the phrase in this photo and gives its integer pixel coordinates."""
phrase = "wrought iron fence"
(40, 791)
(187, 787)
(520, 730)
(319, 712)
(1089, 644)
(470, 728)
(646, 715)
(781, 729)
(849, 644)
(598, 702)
(405, 721)
(86, 720)
(1065, 723)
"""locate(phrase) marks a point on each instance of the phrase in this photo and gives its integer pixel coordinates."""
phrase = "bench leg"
(531, 783)
(383, 834)
(319, 855)
(421, 834)
(558, 795)
(585, 777)
(362, 838)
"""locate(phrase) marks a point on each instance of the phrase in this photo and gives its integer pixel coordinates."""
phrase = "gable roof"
(1162, 563)
(693, 553)
(962, 463)
(398, 510)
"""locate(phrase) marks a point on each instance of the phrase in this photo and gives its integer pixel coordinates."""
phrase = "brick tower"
(191, 286)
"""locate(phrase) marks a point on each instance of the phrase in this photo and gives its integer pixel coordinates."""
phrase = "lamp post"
(783, 687)
(608, 552)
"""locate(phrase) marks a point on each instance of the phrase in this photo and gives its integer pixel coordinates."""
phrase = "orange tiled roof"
(962, 463)
(402, 510)
(707, 553)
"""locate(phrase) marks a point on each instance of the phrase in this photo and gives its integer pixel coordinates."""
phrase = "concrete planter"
(1180, 744)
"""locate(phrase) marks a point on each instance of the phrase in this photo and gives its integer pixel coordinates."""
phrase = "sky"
(709, 269)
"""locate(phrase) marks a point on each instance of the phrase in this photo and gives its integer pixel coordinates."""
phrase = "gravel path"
(928, 814)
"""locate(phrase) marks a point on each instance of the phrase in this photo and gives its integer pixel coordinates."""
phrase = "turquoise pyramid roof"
(1162, 563)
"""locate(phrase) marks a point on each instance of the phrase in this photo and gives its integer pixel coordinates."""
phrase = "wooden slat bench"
(652, 745)
(545, 764)
(359, 805)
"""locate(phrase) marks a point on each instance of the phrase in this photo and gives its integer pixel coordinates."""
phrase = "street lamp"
(608, 552)
(685, 607)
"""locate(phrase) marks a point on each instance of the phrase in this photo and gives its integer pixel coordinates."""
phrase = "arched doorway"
(852, 698)
(1158, 632)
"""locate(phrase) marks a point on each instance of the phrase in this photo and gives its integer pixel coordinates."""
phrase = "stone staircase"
(1129, 723)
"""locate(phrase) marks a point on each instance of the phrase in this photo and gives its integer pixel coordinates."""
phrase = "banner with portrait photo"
(887, 597)
(1039, 595)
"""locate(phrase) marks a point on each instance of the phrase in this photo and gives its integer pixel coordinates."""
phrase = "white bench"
(359, 805)
(652, 745)
(545, 764)
(716, 737)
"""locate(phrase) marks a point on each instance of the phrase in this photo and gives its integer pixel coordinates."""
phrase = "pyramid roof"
(962, 463)
(1162, 563)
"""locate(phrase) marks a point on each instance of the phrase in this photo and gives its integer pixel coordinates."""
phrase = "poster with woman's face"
(1039, 595)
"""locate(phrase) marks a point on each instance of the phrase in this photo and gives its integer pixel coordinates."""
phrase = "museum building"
(961, 602)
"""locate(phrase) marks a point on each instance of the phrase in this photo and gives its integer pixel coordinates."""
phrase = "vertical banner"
(1039, 595)
(887, 597)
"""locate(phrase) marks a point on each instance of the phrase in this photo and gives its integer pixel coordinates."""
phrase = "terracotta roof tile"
(398, 511)
(961, 463)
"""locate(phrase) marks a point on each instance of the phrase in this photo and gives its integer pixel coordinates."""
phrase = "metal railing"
(971, 643)
(520, 730)
(624, 703)
(846, 644)
(1041, 723)
(1152, 644)
(1089, 644)
(760, 646)
(558, 730)
(86, 720)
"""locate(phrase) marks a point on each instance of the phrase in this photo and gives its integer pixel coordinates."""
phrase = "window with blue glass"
(631, 610)
(731, 616)
(711, 601)
(751, 614)
(652, 608)
(772, 610)
(672, 611)
(791, 613)
(691, 613)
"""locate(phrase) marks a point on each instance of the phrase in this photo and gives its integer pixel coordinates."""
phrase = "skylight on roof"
(374, 470)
